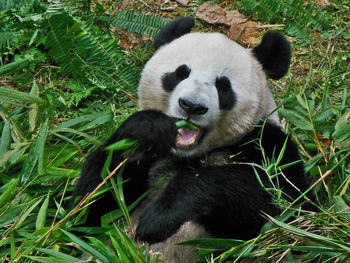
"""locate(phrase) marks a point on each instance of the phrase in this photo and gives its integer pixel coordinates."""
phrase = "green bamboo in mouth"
(183, 123)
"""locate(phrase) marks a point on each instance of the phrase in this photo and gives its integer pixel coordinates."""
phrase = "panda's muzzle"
(190, 136)
(192, 108)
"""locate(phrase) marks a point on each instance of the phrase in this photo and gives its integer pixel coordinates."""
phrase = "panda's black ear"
(173, 30)
(274, 54)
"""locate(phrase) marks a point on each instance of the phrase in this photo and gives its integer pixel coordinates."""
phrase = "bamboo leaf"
(95, 118)
(122, 144)
(49, 260)
(16, 95)
(342, 131)
(41, 218)
(129, 246)
(9, 191)
(36, 154)
(316, 249)
(341, 207)
(33, 112)
(183, 123)
(104, 249)
(58, 255)
(296, 119)
(317, 238)
(118, 246)
(15, 66)
(26, 214)
(5, 138)
(86, 246)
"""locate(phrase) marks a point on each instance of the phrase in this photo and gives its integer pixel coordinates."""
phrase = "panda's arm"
(212, 196)
(226, 200)
(155, 134)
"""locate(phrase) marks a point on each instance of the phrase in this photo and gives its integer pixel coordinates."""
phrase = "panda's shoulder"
(265, 136)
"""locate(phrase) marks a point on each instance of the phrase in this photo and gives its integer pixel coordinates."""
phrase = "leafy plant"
(9, 4)
(299, 17)
(53, 59)
(65, 82)
(137, 23)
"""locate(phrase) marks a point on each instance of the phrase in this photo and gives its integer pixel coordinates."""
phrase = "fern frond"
(61, 45)
(105, 61)
(7, 37)
(92, 57)
(15, 66)
(56, 8)
(12, 4)
(299, 16)
(137, 23)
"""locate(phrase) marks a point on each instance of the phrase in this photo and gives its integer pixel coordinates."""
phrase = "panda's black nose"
(192, 108)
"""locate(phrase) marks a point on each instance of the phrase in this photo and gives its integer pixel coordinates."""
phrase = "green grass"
(65, 82)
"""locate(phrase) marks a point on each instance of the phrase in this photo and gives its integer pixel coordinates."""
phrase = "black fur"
(192, 108)
(227, 200)
(227, 98)
(171, 79)
(155, 133)
(274, 54)
(173, 30)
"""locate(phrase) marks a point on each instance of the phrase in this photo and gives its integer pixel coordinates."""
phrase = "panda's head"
(213, 83)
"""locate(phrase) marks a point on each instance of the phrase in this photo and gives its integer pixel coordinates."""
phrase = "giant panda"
(205, 179)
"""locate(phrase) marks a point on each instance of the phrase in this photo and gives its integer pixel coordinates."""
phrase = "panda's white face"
(211, 82)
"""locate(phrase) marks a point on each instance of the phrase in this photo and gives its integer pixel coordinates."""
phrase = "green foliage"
(54, 58)
(6, 37)
(92, 59)
(65, 83)
(9, 4)
(137, 23)
(300, 17)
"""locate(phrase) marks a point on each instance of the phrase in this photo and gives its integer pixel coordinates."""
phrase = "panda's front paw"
(152, 230)
(153, 130)
(149, 233)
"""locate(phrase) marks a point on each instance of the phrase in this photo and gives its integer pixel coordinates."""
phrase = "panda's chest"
(163, 170)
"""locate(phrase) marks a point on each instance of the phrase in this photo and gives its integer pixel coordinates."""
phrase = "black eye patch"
(227, 97)
(171, 79)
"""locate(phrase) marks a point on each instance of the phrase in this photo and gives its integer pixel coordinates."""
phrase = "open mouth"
(188, 136)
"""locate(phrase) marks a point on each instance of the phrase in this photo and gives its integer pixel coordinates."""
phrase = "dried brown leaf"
(322, 2)
(324, 140)
(183, 2)
(247, 33)
(214, 14)
(128, 40)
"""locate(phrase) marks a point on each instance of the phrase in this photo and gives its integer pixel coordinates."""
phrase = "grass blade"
(317, 238)
(59, 255)
(9, 192)
(36, 153)
(5, 138)
(16, 95)
(26, 214)
(85, 246)
(34, 111)
(41, 218)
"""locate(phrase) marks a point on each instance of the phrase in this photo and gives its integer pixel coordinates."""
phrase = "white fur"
(209, 55)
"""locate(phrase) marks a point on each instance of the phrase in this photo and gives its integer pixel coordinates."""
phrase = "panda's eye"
(183, 72)
(171, 79)
(227, 97)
